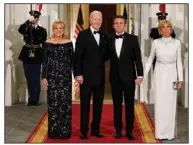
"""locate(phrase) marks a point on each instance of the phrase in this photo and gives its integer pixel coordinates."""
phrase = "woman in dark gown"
(57, 77)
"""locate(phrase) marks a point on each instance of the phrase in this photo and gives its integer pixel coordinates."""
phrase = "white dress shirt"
(118, 44)
(96, 36)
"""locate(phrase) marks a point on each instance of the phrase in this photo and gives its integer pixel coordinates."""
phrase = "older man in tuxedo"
(125, 63)
(90, 54)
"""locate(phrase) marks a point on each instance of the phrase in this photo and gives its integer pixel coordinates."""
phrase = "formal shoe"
(99, 135)
(130, 136)
(83, 136)
(118, 135)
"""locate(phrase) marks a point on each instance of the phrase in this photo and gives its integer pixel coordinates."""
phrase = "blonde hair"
(162, 23)
(58, 22)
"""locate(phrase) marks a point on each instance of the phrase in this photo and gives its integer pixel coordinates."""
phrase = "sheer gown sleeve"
(45, 61)
(150, 60)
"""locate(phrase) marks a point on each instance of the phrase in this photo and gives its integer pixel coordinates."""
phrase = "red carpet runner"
(143, 128)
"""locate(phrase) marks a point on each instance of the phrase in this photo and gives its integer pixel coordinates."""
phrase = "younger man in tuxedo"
(125, 56)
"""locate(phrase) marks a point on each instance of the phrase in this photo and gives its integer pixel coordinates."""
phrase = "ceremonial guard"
(31, 54)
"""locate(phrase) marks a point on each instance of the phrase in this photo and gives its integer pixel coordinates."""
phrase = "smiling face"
(58, 29)
(165, 28)
(96, 20)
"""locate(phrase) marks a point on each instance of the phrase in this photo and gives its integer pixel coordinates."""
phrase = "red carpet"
(143, 128)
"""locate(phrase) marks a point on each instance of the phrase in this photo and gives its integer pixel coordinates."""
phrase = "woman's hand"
(45, 82)
(179, 85)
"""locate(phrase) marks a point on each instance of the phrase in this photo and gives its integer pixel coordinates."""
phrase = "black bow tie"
(96, 32)
(119, 36)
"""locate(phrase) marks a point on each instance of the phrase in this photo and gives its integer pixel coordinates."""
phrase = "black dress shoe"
(99, 135)
(118, 135)
(83, 136)
(130, 136)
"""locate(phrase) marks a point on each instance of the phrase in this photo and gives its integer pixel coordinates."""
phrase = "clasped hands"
(79, 79)
(138, 81)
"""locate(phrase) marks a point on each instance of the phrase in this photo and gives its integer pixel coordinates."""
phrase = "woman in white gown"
(168, 69)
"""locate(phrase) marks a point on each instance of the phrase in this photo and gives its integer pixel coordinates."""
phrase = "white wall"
(178, 14)
(16, 14)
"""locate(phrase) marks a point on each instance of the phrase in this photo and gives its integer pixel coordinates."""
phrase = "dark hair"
(120, 17)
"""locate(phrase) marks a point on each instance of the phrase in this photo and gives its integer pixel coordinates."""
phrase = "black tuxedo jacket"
(128, 65)
(89, 57)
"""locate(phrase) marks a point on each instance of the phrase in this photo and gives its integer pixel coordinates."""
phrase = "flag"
(79, 23)
(39, 7)
(78, 28)
(125, 12)
(162, 8)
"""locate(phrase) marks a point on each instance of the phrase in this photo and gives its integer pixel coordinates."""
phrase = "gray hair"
(95, 12)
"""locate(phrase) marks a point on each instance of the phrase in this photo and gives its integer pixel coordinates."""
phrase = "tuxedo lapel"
(100, 39)
(113, 45)
(102, 42)
(92, 37)
(123, 44)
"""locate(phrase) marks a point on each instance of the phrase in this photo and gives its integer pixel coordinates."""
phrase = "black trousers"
(86, 91)
(118, 87)
(32, 74)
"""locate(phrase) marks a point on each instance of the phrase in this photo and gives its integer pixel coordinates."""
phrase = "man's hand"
(79, 79)
(138, 81)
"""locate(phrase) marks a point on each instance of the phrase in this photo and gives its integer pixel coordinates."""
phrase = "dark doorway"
(109, 12)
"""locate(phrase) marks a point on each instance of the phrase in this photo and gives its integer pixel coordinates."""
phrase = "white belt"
(165, 62)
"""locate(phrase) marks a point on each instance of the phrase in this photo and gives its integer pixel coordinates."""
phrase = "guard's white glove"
(31, 18)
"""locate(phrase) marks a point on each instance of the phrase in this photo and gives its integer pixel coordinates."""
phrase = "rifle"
(31, 54)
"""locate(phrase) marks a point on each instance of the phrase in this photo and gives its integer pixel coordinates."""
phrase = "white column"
(144, 43)
(8, 73)
(14, 15)
(185, 90)
(153, 9)
(61, 12)
(186, 79)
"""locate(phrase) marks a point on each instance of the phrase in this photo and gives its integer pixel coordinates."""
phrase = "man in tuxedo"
(90, 49)
(125, 55)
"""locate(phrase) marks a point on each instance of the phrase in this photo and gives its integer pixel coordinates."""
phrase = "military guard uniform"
(31, 55)
(154, 34)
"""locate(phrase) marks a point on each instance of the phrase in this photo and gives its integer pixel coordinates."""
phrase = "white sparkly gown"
(168, 69)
